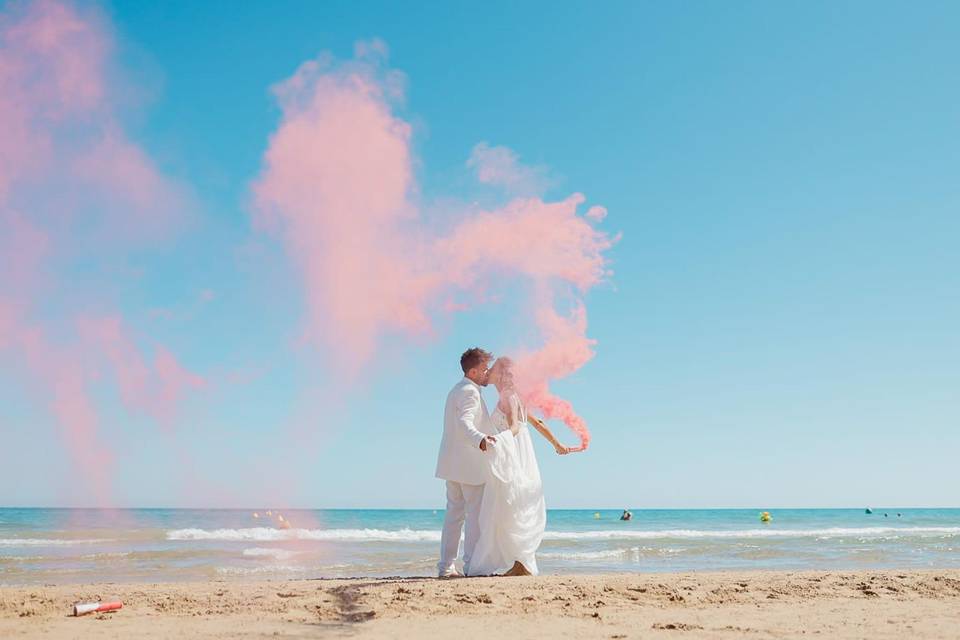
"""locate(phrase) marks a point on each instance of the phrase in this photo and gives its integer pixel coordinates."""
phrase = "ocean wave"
(769, 532)
(11, 559)
(46, 542)
(419, 535)
(243, 571)
(276, 554)
(634, 553)
(106, 556)
(332, 535)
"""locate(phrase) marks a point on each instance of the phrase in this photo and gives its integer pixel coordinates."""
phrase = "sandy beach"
(841, 604)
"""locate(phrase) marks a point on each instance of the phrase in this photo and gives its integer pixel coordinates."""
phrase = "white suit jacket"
(465, 423)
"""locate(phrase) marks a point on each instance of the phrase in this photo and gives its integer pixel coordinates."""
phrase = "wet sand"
(836, 604)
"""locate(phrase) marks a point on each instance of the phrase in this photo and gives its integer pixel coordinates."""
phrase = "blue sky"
(781, 325)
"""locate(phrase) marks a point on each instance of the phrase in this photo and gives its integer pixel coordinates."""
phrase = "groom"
(466, 428)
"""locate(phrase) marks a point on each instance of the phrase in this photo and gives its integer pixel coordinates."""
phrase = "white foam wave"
(45, 542)
(633, 553)
(106, 556)
(833, 532)
(276, 554)
(243, 571)
(261, 534)
(332, 535)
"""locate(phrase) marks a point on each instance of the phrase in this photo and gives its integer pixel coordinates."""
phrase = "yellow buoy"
(596, 515)
(765, 517)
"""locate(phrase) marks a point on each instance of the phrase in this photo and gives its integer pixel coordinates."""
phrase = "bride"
(512, 514)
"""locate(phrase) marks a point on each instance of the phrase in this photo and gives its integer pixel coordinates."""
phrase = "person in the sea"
(626, 515)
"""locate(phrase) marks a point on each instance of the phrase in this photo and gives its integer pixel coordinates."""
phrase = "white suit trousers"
(463, 502)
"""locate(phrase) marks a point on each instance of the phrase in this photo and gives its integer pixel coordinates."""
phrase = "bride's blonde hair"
(506, 371)
(507, 387)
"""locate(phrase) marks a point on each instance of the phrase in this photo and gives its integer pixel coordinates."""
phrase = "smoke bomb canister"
(83, 608)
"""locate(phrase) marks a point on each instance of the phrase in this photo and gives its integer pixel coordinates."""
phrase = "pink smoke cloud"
(542, 241)
(154, 390)
(50, 63)
(501, 166)
(25, 246)
(7, 320)
(74, 185)
(337, 177)
(566, 348)
(338, 187)
(147, 205)
(60, 369)
(597, 213)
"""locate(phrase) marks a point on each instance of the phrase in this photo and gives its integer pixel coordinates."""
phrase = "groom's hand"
(483, 443)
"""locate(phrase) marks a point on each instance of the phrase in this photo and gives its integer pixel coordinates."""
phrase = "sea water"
(80, 545)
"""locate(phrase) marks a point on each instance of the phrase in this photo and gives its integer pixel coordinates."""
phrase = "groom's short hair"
(474, 357)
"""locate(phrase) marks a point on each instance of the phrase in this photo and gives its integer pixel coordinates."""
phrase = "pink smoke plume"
(74, 186)
(338, 185)
(154, 391)
(502, 167)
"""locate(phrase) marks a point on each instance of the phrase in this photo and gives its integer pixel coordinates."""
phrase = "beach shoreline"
(758, 604)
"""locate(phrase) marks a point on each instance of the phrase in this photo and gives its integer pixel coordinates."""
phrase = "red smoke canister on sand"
(82, 608)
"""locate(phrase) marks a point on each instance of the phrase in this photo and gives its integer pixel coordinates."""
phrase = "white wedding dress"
(513, 514)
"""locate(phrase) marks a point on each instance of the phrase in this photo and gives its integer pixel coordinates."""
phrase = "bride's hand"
(561, 450)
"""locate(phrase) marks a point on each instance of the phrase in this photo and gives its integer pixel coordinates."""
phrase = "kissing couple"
(490, 468)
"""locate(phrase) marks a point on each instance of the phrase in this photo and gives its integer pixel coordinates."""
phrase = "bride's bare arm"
(544, 430)
(514, 423)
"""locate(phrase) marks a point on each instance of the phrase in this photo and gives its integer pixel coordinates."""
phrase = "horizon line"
(355, 508)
